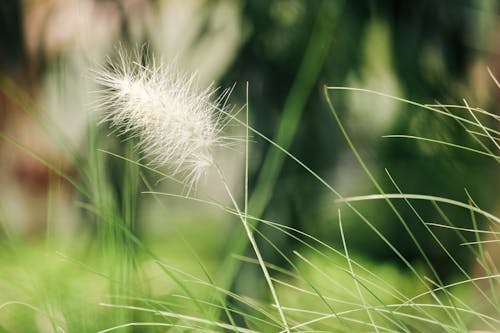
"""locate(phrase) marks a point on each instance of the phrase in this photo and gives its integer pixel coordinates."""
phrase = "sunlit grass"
(114, 279)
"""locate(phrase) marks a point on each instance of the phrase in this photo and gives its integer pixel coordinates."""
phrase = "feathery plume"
(176, 125)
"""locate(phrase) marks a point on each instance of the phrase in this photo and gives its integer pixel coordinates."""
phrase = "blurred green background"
(431, 52)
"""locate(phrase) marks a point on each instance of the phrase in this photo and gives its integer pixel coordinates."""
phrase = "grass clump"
(115, 279)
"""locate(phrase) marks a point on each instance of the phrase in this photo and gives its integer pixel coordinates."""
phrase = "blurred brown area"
(34, 35)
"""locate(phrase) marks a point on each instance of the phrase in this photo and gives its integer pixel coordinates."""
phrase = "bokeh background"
(434, 52)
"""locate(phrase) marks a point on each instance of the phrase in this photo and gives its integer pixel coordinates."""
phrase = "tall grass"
(113, 279)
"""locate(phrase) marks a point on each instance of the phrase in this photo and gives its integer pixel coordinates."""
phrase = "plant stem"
(252, 241)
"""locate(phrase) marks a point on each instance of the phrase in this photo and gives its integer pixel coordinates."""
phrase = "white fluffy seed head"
(176, 125)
